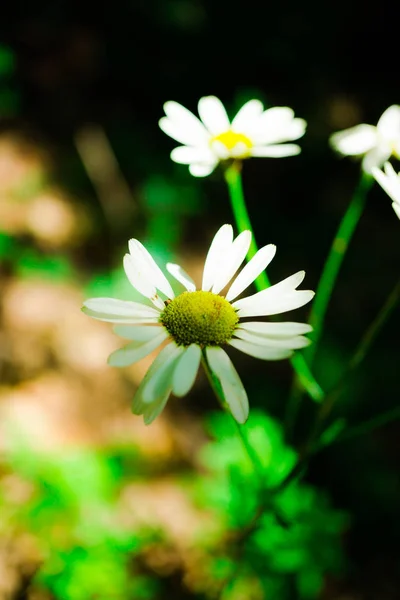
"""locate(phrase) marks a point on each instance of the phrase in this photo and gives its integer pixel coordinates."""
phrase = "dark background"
(114, 64)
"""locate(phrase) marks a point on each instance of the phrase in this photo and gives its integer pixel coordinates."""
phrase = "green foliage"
(74, 515)
(52, 266)
(28, 261)
(296, 541)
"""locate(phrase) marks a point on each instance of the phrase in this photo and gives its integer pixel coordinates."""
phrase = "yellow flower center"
(201, 318)
(231, 139)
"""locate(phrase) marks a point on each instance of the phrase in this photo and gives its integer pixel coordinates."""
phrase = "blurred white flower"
(376, 143)
(390, 182)
(201, 320)
(212, 138)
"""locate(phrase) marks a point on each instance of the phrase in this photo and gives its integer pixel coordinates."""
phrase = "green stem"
(234, 181)
(326, 407)
(233, 178)
(363, 347)
(325, 287)
(375, 327)
(369, 425)
(334, 261)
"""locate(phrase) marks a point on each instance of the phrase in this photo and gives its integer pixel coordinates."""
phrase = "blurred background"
(93, 504)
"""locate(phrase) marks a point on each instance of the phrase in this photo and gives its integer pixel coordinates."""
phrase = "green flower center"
(201, 318)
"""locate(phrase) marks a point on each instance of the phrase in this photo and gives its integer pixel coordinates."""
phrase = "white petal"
(161, 380)
(186, 123)
(135, 351)
(213, 115)
(251, 271)
(232, 387)
(276, 330)
(181, 276)
(389, 181)
(240, 150)
(219, 247)
(247, 115)
(376, 157)
(186, 370)
(389, 123)
(120, 311)
(202, 170)
(151, 410)
(291, 343)
(263, 352)
(186, 155)
(396, 208)
(138, 333)
(220, 150)
(278, 114)
(273, 121)
(276, 306)
(176, 131)
(229, 264)
(391, 173)
(276, 299)
(144, 260)
(284, 286)
(279, 131)
(138, 278)
(354, 141)
(278, 151)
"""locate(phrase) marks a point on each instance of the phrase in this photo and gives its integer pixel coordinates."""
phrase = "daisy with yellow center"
(197, 323)
(213, 138)
(375, 143)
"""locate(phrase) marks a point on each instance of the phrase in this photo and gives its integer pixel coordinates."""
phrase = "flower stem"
(233, 179)
(375, 327)
(369, 425)
(334, 261)
(325, 287)
(361, 351)
(312, 446)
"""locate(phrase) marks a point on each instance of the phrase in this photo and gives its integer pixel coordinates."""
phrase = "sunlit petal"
(213, 114)
(186, 123)
(251, 271)
(186, 370)
(354, 141)
(146, 264)
(276, 330)
(136, 350)
(219, 248)
(120, 311)
(181, 276)
(232, 387)
(227, 269)
(259, 351)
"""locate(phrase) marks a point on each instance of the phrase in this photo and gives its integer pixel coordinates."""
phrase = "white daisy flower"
(253, 132)
(198, 321)
(390, 182)
(376, 143)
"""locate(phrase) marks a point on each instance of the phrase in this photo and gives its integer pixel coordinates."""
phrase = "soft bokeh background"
(92, 503)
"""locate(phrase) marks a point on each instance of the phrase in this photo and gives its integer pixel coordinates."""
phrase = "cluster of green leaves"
(290, 545)
(73, 513)
(27, 261)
